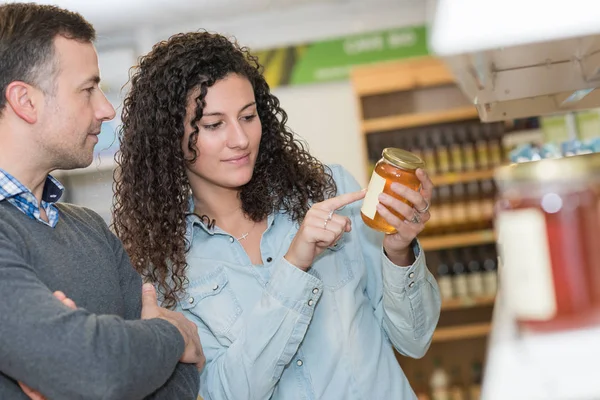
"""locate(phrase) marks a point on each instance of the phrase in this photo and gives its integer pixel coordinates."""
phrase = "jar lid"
(559, 169)
(402, 158)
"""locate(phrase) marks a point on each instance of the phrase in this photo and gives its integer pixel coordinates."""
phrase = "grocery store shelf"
(461, 177)
(458, 240)
(462, 332)
(468, 302)
(410, 120)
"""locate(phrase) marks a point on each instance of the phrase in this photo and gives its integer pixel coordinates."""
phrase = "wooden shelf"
(469, 331)
(402, 75)
(458, 240)
(469, 302)
(411, 120)
(461, 177)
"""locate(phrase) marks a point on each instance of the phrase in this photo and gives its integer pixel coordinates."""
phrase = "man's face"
(71, 118)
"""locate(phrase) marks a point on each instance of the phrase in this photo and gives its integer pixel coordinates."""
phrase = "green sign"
(332, 60)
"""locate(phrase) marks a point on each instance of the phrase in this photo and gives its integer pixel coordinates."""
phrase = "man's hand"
(35, 395)
(193, 353)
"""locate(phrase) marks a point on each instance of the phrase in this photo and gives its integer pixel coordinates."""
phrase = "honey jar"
(395, 165)
(548, 228)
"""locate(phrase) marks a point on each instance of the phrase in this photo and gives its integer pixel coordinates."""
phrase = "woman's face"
(228, 137)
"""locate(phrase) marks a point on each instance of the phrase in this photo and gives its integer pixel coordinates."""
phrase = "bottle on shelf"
(455, 151)
(428, 152)
(459, 277)
(488, 202)
(493, 133)
(490, 270)
(442, 152)
(414, 145)
(475, 275)
(459, 207)
(444, 277)
(474, 213)
(457, 389)
(468, 150)
(494, 144)
(481, 148)
(438, 382)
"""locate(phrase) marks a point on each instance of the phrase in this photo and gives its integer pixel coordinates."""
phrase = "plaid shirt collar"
(18, 195)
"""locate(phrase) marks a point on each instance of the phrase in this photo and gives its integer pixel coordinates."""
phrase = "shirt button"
(216, 287)
(316, 290)
(269, 259)
(231, 239)
(191, 300)
(411, 275)
(411, 284)
(299, 363)
(310, 303)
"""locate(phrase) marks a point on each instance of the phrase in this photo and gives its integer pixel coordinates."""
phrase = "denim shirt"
(273, 331)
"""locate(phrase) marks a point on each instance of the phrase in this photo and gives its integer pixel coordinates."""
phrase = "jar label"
(376, 185)
(526, 266)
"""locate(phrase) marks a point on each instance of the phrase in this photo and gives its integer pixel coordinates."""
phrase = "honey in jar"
(395, 165)
(548, 227)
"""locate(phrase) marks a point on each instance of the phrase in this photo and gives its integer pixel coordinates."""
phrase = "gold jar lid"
(402, 158)
(581, 166)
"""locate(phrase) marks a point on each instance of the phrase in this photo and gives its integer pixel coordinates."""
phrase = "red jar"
(548, 229)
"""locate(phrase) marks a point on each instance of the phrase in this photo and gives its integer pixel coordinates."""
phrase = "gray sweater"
(99, 351)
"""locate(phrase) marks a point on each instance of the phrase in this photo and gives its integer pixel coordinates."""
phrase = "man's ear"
(24, 100)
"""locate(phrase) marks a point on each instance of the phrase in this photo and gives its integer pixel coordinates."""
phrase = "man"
(51, 111)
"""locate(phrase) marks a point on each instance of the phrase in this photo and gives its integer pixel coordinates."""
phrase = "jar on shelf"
(548, 227)
(395, 165)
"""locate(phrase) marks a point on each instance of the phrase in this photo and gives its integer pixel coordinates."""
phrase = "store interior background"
(329, 114)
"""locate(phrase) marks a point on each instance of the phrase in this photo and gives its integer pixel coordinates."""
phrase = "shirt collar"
(195, 220)
(11, 187)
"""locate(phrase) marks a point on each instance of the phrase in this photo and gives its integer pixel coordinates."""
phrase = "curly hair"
(151, 187)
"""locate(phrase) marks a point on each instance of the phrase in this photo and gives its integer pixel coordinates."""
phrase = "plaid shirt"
(18, 195)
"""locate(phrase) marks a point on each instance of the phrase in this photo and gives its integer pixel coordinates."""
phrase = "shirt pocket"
(211, 299)
(335, 266)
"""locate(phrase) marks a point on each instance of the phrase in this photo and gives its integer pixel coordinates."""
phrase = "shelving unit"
(407, 121)
(462, 332)
(413, 104)
(457, 240)
(468, 302)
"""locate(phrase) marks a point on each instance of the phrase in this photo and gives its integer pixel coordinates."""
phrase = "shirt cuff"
(294, 288)
(405, 279)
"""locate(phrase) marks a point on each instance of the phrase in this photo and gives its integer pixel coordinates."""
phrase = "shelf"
(411, 120)
(469, 331)
(460, 177)
(469, 302)
(458, 240)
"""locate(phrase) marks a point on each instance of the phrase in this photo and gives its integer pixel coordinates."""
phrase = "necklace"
(245, 235)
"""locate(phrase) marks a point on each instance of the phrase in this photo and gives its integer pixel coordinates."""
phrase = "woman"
(260, 244)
